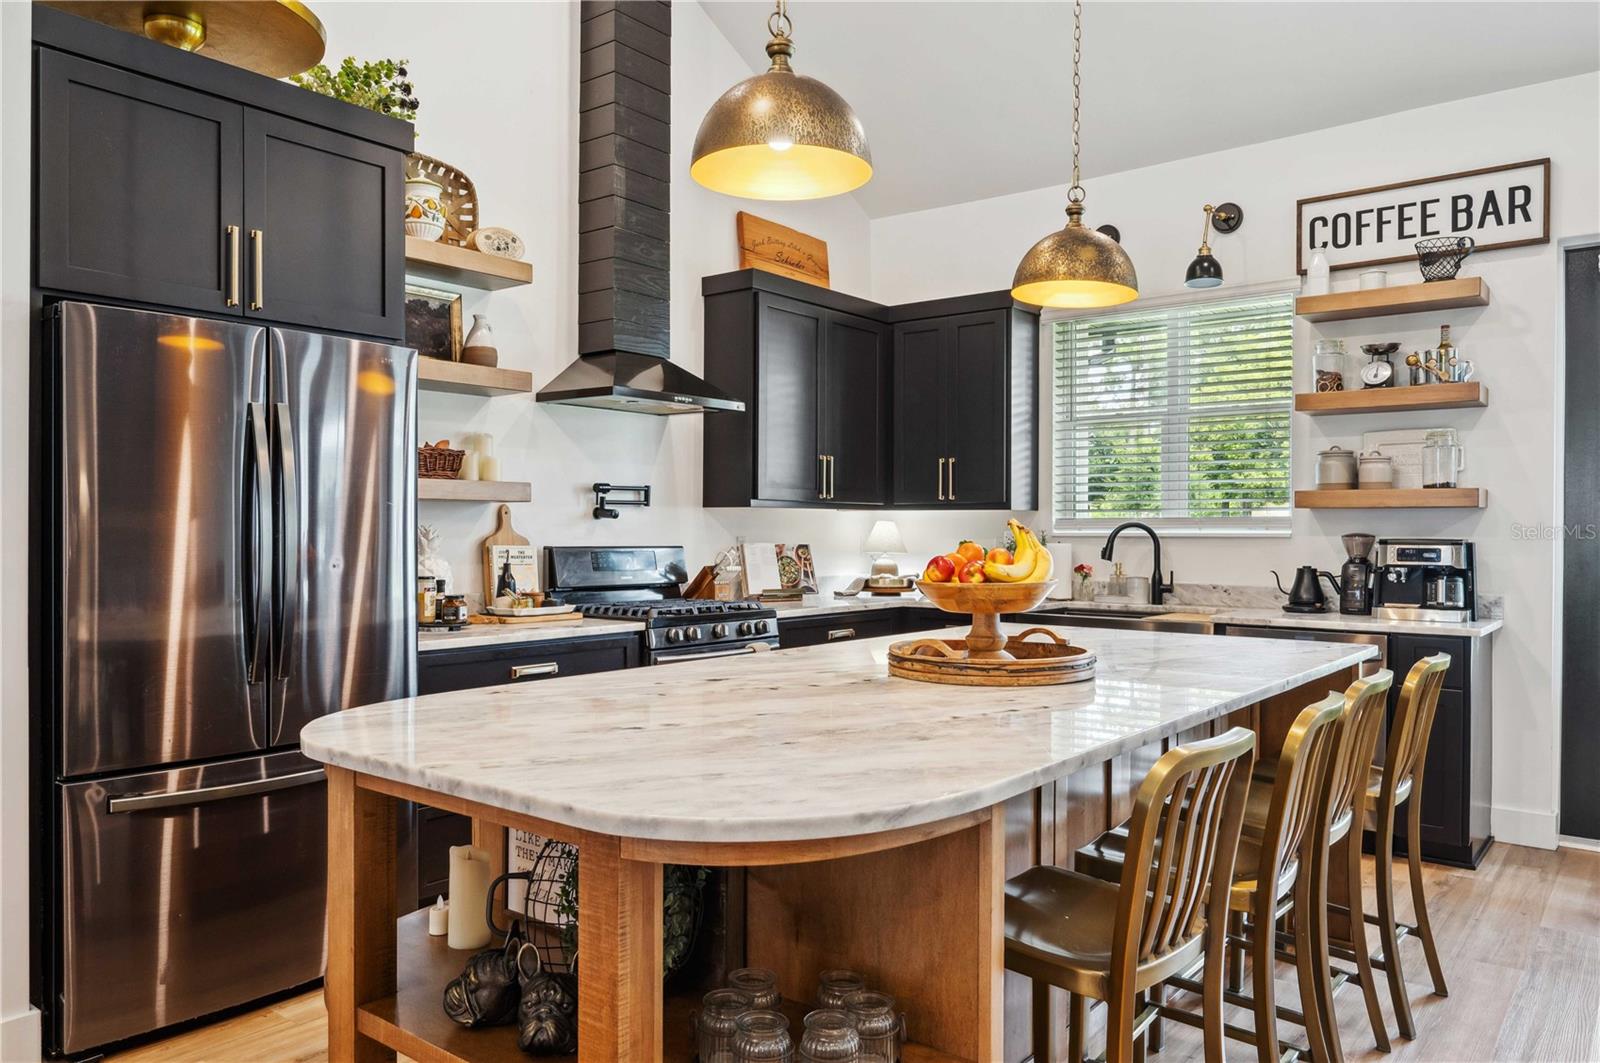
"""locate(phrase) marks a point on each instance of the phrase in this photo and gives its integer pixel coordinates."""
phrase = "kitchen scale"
(1378, 373)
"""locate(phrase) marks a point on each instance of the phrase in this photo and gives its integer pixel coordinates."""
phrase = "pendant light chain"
(778, 23)
(1075, 194)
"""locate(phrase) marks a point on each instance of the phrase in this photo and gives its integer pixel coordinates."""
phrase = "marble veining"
(513, 634)
(808, 743)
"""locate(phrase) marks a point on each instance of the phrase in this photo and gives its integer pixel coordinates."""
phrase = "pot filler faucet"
(1157, 589)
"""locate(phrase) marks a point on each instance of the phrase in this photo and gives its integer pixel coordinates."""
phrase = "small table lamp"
(884, 538)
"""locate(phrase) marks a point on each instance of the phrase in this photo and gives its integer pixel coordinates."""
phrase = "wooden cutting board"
(503, 535)
(779, 249)
(552, 619)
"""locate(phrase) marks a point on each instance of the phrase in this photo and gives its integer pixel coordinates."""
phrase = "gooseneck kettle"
(1305, 595)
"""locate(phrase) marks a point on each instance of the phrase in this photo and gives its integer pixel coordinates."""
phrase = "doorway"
(1580, 595)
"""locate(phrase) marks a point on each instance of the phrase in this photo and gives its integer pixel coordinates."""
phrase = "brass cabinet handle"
(952, 479)
(941, 478)
(822, 476)
(841, 633)
(257, 285)
(528, 671)
(833, 476)
(233, 267)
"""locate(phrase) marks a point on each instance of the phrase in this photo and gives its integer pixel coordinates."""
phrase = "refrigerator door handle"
(258, 509)
(291, 543)
(202, 794)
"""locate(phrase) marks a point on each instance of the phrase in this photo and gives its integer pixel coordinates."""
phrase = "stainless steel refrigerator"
(233, 511)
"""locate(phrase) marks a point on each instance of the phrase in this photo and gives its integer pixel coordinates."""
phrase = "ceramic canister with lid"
(1377, 470)
(1336, 469)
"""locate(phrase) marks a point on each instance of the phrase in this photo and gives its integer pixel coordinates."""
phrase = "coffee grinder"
(1355, 578)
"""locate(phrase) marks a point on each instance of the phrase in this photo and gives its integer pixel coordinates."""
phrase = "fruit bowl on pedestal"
(985, 602)
(986, 657)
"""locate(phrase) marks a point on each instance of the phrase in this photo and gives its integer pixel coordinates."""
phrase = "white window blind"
(1177, 415)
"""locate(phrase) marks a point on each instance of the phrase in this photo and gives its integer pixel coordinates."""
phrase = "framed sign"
(1498, 206)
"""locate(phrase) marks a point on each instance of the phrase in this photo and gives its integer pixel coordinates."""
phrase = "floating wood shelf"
(436, 374)
(1395, 498)
(1394, 400)
(1401, 299)
(435, 261)
(413, 1023)
(473, 491)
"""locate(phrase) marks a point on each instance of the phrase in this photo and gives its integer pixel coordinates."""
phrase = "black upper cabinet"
(850, 403)
(163, 176)
(138, 183)
(324, 209)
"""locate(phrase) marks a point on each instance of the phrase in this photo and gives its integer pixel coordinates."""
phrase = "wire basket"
(550, 906)
(1441, 257)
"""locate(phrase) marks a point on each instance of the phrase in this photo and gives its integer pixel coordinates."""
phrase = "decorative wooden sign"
(1498, 206)
(779, 249)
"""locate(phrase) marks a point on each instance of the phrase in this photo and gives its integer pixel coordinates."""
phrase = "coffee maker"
(1355, 578)
(1425, 579)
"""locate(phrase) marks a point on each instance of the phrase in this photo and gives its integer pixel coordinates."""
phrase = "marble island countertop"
(809, 743)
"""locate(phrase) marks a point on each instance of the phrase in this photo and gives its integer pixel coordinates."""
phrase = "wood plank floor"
(1519, 939)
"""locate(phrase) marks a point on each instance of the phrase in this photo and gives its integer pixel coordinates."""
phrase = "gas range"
(645, 583)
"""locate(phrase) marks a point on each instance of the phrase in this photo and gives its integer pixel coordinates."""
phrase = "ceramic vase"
(424, 208)
(1317, 274)
(478, 348)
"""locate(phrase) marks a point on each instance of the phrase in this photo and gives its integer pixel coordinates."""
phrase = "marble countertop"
(817, 742)
(476, 635)
(1340, 622)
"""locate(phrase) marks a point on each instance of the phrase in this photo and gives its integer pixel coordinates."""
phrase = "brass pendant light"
(781, 135)
(275, 38)
(1076, 267)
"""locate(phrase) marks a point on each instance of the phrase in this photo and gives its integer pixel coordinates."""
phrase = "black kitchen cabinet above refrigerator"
(175, 182)
(850, 403)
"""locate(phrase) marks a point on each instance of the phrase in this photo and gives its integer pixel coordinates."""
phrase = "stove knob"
(693, 634)
(674, 634)
(719, 631)
(761, 627)
(746, 628)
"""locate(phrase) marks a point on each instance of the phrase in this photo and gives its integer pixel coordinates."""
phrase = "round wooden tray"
(1025, 663)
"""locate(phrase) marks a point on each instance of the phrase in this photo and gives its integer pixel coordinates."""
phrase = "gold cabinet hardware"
(232, 298)
(528, 671)
(822, 476)
(258, 296)
(952, 468)
(841, 633)
(941, 478)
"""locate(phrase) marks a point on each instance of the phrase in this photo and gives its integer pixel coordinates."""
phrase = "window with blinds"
(1176, 415)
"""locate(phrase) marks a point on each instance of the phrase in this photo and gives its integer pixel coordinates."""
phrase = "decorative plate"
(502, 243)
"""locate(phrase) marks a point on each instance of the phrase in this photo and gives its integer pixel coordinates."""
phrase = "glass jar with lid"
(759, 984)
(1442, 458)
(762, 1036)
(835, 986)
(830, 1037)
(882, 1029)
(1329, 362)
(716, 1023)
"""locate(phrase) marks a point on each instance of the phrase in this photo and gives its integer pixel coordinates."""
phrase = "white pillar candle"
(469, 889)
(439, 918)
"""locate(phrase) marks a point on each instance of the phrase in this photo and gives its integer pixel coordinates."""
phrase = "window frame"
(1168, 526)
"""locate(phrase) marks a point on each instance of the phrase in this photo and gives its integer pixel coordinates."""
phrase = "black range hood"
(624, 134)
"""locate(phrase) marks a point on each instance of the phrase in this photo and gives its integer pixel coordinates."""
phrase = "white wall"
(1511, 446)
(19, 1023)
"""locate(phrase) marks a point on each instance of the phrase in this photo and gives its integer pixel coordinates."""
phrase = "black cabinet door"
(138, 183)
(326, 239)
(789, 343)
(855, 409)
(978, 406)
(921, 385)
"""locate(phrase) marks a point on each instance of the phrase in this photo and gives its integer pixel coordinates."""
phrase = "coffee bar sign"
(1497, 206)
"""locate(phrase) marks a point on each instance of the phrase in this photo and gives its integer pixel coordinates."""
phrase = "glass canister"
(830, 1037)
(835, 986)
(1329, 361)
(882, 1029)
(762, 1036)
(716, 1024)
(759, 984)
(1442, 458)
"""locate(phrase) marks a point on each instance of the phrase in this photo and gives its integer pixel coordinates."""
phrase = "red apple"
(939, 570)
(972, 572)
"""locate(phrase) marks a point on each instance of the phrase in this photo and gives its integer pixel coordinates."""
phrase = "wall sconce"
(1205, 271)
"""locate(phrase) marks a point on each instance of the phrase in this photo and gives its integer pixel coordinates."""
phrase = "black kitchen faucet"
(1157, 589)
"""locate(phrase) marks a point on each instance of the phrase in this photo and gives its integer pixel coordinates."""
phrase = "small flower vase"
(1084, 591)
(424, 208)
(479, 348)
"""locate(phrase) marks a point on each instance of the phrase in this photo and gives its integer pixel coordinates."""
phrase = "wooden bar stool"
(1399, 781)
(1097, 940)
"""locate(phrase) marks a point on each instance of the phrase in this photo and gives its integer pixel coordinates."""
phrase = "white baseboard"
(19, 1037)
(1521, 826)
(1590, 844)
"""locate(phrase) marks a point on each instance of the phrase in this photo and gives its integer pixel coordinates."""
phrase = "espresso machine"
(1425, 579)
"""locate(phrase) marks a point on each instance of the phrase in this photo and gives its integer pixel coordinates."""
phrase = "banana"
(1022, 562)
(1043, 563)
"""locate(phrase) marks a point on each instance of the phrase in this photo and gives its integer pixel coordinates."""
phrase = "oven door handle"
(756, 647)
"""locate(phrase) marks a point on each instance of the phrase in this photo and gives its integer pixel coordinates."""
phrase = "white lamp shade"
(884, 538)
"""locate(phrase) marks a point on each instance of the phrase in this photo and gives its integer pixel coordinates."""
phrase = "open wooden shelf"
(473, 491)
(1394, 400)
(1395, 498)
(1401, 299)
(436, 374)
(435, 261)
(413, 1022)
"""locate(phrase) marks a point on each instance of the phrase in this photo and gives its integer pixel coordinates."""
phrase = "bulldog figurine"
(547, 1016)
(486, 992)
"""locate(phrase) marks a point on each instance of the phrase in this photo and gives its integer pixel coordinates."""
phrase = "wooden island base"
(917, 910)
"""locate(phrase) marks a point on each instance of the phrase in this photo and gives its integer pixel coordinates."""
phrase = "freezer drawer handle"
(528, 671)
(200, 795)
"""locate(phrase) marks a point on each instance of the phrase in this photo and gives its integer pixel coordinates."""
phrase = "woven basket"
(436, 461)
(460, 196)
